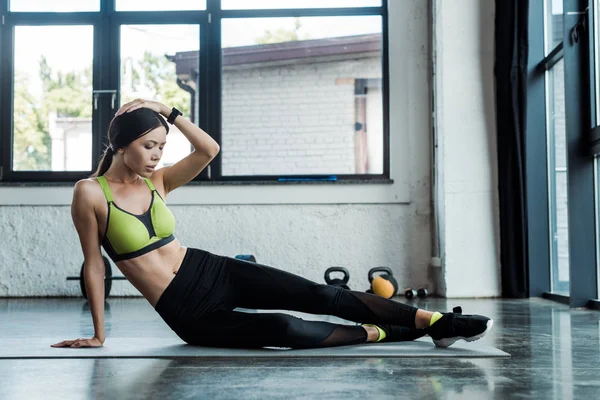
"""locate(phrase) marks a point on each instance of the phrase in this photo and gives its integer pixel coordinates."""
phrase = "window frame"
(578, 61)
(210, 69)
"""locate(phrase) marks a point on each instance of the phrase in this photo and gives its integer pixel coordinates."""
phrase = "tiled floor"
(555, 355)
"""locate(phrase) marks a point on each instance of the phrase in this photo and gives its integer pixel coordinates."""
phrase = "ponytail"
(105, 162)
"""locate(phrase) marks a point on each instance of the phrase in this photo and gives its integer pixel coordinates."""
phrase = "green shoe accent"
(382, 334)
(436, 315)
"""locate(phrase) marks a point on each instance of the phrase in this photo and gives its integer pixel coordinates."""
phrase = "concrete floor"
(555, 355)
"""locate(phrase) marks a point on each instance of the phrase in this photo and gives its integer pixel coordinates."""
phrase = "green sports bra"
(129, 235)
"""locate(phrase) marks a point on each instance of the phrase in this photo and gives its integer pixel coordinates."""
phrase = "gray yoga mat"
(36, 348)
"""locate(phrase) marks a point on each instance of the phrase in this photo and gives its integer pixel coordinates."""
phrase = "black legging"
(198, 305)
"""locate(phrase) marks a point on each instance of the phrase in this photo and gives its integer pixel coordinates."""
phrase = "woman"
(195, 292)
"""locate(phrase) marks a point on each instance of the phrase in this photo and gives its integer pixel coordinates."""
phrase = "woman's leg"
(259, 286)
(198, 306)
(253, 285)
(236, 329)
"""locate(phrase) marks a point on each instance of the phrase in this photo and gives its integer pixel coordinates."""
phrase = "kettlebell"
(107, 279)
(246, 257)
(335, 281)
(384, 285)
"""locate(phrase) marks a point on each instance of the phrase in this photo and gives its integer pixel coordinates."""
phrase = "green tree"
(69, 94)
(31, 142)
(283, 35)
(153, 76)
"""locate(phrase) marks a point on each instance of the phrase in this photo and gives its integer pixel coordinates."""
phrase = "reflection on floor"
(555, 354)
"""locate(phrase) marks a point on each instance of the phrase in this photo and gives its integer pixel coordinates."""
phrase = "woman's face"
(143, 154)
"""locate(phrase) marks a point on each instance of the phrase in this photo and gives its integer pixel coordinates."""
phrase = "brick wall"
(294, 118)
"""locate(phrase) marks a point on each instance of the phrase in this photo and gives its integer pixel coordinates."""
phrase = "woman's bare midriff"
(152, 272)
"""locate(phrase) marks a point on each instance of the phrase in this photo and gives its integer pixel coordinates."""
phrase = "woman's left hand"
(139, 103)
(79, 343)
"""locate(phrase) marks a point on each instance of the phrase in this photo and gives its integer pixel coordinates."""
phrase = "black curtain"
(511, 56)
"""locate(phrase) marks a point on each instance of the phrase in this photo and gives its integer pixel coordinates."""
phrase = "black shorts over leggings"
(198, 305)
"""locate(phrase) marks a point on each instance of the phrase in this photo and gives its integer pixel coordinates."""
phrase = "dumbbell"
(343, 282)
(412, 293)
(246, 257)
(384, 285)
(108, 278)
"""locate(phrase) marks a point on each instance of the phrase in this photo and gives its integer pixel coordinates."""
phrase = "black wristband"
(174, 114)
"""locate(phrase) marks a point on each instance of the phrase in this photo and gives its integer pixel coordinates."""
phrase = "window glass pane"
(558, 180)
(597, 57)
(266, 4)
(302, 96)
(160, 5)
(53, 98)
(554, 24)
(160, 62)
(597, 201)
(597, 85)
(54, 5)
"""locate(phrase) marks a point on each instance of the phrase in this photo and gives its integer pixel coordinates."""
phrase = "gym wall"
(307, 228)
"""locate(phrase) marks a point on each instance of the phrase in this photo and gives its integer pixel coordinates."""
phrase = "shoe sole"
(447, 342)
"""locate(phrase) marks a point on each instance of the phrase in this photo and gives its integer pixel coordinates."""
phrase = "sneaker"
(455, 326)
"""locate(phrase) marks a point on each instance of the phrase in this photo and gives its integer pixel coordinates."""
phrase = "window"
(557, 168)
(554, 24)
(54, 6)
(294, 88)
(557, 151)
(148, 70)
(272, 4)
(52, 99)
(302, 96)
(159, 5)
(596, 68)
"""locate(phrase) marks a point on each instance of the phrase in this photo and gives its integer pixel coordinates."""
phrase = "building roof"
(187, 61)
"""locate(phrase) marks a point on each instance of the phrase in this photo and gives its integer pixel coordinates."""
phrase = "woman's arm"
(86, 224)
(186, 169)
(205, 147)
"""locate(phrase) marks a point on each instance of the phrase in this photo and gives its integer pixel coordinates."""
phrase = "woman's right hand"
(79, 343)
